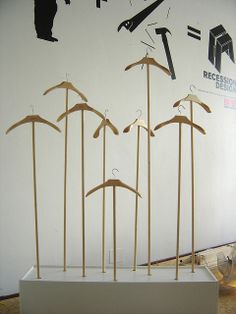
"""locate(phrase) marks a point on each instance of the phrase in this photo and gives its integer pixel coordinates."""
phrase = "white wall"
(94, 54)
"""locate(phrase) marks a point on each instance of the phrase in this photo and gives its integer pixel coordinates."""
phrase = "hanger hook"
(179, 108)
(140, 113)
(67, 76)
(192, 88)
(32, 109)
(114, 169)
(106, 113)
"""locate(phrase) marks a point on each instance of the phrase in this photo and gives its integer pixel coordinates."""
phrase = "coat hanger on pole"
(139, 124)
(180, 120)
(114, 183)
(149, 62)
(103, 125)
(67, 86)
(191, 99)
(34, 119)
(82, 107)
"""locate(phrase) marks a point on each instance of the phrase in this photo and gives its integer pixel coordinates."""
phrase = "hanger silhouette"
(66, 85)
(103, 125)
(138, 122)
(114, 183)
(149, 61)
(80, 107)
(105, 122)
(180, 119)
(30, 119)
(193, 98)
(33, 119)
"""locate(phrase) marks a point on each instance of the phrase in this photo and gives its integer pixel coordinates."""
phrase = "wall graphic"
(132, 23)
(44, 13)
(194, 32)
(219, 42)
(98, 3)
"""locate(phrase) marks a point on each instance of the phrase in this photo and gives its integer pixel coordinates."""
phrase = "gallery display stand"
(68, 292)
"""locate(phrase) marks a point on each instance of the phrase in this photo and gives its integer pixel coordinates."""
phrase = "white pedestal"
(68, 292)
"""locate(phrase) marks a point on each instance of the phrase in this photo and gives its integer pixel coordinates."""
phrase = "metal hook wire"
(32, 109)
(105, 114)
(140, 113)
(67, 76)
(192, 88)
(179, 108)
(114, 169)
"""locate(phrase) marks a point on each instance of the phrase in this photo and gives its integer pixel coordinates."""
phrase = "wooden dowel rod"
(83, 193)
(35, 201)
(104, 203)
(193, 190)
(149, 169)
(179, 203)
(65, 183)
(114, 232)
(136, 200)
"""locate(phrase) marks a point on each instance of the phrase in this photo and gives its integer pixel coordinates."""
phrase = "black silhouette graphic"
(162, 31)
(143, 42)
(134, 22)
(44, 13)
(98, 3)
(219, 42)
(149, 35)
(194, 32)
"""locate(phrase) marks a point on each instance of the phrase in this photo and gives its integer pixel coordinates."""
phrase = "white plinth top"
(94, 274)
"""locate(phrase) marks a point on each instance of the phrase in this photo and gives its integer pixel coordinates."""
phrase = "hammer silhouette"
(162, 31)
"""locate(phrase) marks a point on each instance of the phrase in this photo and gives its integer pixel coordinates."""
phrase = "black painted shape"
(194, 32)
(134, 22)
(194, 36)
(219, 42)
(224, 43)
(44, 13)
(162, 31)
(98, 3)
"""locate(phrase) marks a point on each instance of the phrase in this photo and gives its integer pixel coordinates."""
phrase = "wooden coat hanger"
(103, 125)
(82, 107)
(139, 123)
(105, 122)
(67, 86)
(114, 183)
(149, 62)
(33, 119)
(30, 119)
(180, 120)
(193, 99)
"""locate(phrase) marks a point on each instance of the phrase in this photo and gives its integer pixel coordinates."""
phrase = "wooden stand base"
(68, 292)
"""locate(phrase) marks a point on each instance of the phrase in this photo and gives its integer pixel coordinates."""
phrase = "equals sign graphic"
(193, 32)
